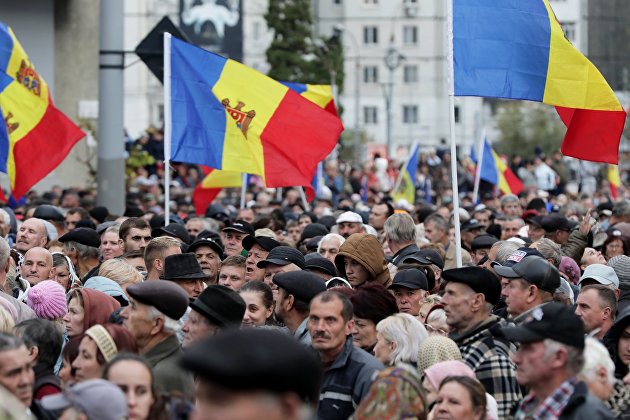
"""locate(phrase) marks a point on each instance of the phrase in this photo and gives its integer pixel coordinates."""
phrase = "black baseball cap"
(426, 256)
(264, 242)
(477, 278)
(174, 230)
(412, 278)
(283, 255)
(535, 270)
(240, 226)
(209, 242)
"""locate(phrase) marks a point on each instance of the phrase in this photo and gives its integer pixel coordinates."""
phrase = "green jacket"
(574, 248)
(169, 375)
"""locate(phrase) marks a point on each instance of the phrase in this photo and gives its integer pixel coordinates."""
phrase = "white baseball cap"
(602, 274)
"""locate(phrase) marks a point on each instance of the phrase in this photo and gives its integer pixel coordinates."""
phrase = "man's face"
(192, 287)
(232, 276)
(137, 263)
(247, 215)
(208, 260)
(469, 235)
(378, 216)
(193, 227)
(197, 327)
(408, 300)
(517, 294)
(512, 208)
(355, 272)
(37, 265)
(329, 249)
(589, 309)
(233, 242)
(270, 271)
(483, 218)
(326, 325)
(591, 256)
(137, 239)
(16, 374)
(433, 234)
(72, 220)
(478, 254)
(137, 321)
(31, 233)
(255, 254)
(562, 237)
(535, 232)
(531, 366)
(510, 229)
(348, 228)
(457, 305)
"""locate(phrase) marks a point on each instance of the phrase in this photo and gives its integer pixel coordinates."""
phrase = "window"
(370, 35)
(410, 35)
(457, 114)
(410, 74)
(370, 115)
(370, 74)
(569, 30)
(410, 114)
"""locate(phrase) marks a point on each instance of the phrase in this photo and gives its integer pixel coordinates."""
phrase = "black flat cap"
(535, 270)
(83, 236)
(317, 262)
(313, 229)
(313, 243)
(283, 255)
(182, 267)
(426, 256)
(471, 224)
(174, 230)
(221, 305)
(554, 222)
(256, 360)
(412, 278)
(482, 242)
(166, 296)
(264, 242)
(240, 226)
(477, 278)
(49, 213)
(553, 320)
(99, 213)
(303, 285)
(209, 242)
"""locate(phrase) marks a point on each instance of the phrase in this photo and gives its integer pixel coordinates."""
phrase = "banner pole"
(167, 127)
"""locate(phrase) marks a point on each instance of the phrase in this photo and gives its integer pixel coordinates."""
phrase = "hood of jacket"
(368, 252)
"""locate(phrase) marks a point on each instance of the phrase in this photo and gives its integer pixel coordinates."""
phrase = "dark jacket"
(574, 248)
(585, 406)
(399, 257)
(169, 376)
(346, 382)
(611, 339)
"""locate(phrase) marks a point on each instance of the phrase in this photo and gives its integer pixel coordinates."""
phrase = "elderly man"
(409, 288)
(37, 265)
(208, 253)
(31, 233)
(349, 223)
(469, 296)
(400, 235)
(194, 225)
(257, 248)
(151, 317)
(185, 271)
(470, 229)
(596, 306)
(134, 234)
(349, 370)
(81, 245)
(510, 227)
(281, 259)
(480, 247)
(16, 372)
(436, 231)
(156, 252)
(329, 246)
(233, 237)
(549, 358)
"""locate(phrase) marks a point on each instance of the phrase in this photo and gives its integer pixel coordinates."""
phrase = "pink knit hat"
(440, 371)
(48, 300)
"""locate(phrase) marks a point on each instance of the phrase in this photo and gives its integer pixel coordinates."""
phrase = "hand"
(587, 222)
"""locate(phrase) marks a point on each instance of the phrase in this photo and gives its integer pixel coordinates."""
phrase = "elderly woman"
(398, 339)
(371, 303)
(461, 398)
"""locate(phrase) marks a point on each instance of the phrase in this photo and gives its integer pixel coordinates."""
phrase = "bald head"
(38, 263)
(31, 233)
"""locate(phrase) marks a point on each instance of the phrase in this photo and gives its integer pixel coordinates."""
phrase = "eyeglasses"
(433, 330)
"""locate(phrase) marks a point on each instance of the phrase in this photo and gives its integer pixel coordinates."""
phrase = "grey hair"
(399, 227)
(596, 356)
(208, 224)
(171, 326)
(549, 250)
(407, 333)
(4, 254)
(575, 356)
(329, 236)
(83, 251)
(504, 249)
(10, 342)
(440, 222)
(5, 216)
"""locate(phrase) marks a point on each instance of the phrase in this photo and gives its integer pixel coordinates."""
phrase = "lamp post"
(357, 76)
(393, 60)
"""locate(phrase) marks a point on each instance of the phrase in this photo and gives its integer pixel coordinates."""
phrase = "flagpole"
(167, 127)
(451, 105)
(304, 201)
(480, 152)
(243, 189)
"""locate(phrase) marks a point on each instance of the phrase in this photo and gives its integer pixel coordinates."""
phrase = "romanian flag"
(230, 117)
(496, 172)
(36, 136)
(516, 49)
(614, 180)
(406, 187)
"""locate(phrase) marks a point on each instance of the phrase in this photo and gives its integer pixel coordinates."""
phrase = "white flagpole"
(243, 189)
(451, 105)
(481, 147)
(167, 127)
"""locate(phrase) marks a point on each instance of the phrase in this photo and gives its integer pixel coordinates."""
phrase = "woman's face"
(74, 318)
(65, 373)
(134, 379)
(86, 365)
(364, 333)
(454, 403)
(256, 314)
(109, 246)
(430, 392)
(61, 275)
(383, 349)
(614, 248)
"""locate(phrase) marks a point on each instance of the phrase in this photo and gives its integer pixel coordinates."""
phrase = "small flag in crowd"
(614, 180)
(495, 171)
(35, 137)
(517, 50)
(407, 183)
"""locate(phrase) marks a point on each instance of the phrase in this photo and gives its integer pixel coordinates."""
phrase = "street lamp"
(393, 60)
(339, 28)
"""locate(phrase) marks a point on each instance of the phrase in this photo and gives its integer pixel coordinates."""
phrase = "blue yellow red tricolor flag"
(406, 186)
(495, 171)
(36, 136)
(516, 49)
(228, 116)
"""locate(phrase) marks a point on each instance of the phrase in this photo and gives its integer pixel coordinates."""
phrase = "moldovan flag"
(495, 171)
(407, 185)
(36, 136)
(228, 116)
(614, 180)
(516, 49)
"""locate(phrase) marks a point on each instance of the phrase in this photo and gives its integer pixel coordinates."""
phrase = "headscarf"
(435, 349)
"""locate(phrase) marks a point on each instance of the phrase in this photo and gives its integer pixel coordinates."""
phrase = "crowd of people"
(352, 308)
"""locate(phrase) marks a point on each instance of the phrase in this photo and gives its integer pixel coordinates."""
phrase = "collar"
(342, 359)
(301, 330)
(162, 350)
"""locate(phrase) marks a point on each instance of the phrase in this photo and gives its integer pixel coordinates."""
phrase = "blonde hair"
(6, 321)
(120, 271)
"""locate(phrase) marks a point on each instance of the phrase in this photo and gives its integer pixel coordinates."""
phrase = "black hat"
(283, 255)
(217, 212)
(411, 279)
(166, 296)
(482, 242)
(471, 224)
(240, 226)
(221, 305)
(535, 220)
(256, 360)
(158, 221)
(426, 256)
(313, 229)
(83, 236)
(477, 278)
(199, 242)
(99, 213)
(182, 267)
(553, 320)
(317, 262)
(313, 243)
(552, 223)
(301, 284)
(517, 256)
(174, 230)
(535, 270)
(264, 242)
(49, 213)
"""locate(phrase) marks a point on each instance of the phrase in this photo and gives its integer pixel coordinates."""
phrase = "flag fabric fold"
(407, 184)
(614, 180)
(495, 171)
(516, 49)
(36, 136)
